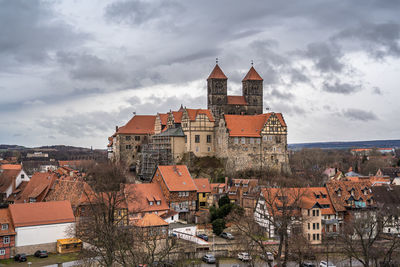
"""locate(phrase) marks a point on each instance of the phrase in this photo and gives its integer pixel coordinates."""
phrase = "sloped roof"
(217, 73)
(177, 116)
(203, 185)
(39, 185)
(11, 167)
(40, 213)
(71, 190)
(138, 196)
(387, 196)
(345, 187)
(5, 218)
(163, 118)
(252, 75)
(192, 113)
(177, 178)
(151, 220)
(236, 100)
(6, 178)
(249, 125)
(139, 124)
(176, 132)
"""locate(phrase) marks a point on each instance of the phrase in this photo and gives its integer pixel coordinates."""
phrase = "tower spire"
(216, 61)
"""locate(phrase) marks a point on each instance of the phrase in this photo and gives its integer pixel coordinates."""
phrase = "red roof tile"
(192, 113)
(11, 167)
(236, 100)
(203, 185)
(151, 219)
(138, 196)
(249, 125)
(5, 218)
(252, 75)
(217, 73)
(177, 116)
(177, 178)
(40, 213)
(38, 186)
(139, 124)
(7, 177)
(163, 118)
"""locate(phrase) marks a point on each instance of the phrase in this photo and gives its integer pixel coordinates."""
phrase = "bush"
(223, 200)
(218, 226)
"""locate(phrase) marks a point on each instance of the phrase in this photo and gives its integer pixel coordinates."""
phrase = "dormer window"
(245, 185)
(339, 192)
(323, 196)
(158, 202)
(317, 196)
(32, 200)
(237, 185)
(4, 226)
(151, 203)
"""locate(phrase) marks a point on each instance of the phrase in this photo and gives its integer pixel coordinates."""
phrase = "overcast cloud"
(71, 71)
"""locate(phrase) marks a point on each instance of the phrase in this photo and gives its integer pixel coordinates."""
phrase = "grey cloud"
(275, 94)
(30, 30)
(326, 56)
(285, 108)
(380, 40)
(376, 90)
(139, 12)
(359, 115)
(91, 68)
(338, 87)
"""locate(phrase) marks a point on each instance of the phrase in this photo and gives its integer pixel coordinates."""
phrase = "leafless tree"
(363, 239)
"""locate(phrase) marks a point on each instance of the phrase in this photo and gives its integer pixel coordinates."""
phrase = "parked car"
(308, 264)
(326, 264)
(227, 236)
(41, 254)
(267, 256)
(244, 256)
(209, 258)
(203, 236)
(20, 257)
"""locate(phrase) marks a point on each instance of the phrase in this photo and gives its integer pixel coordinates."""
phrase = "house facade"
(39, 225)
(179, 189)
(7, 234)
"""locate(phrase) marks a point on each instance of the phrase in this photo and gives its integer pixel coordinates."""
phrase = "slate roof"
(175, 132)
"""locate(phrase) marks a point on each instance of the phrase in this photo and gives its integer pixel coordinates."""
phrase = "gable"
(275, 125)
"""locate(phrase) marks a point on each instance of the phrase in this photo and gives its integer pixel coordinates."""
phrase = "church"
(232, 128)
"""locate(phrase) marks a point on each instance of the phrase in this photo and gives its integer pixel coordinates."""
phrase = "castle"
(232, 128)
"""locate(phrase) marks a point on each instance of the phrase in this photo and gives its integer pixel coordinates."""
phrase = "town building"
(7, 234)
(203, 192)
(37, 188)
(179, 189)
(39, 225)
(11, 178)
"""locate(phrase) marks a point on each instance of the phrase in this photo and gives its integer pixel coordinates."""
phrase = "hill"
(347, 145)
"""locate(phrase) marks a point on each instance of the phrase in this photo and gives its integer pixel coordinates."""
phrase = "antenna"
(252, 63)
(134, 113)
(216, 61)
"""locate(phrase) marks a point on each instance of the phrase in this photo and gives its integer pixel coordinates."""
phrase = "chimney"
(116, 128)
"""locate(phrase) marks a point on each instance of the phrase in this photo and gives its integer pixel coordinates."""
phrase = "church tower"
(217, 91)
(252, 87)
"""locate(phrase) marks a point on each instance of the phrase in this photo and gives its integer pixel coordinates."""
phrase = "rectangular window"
(22, 176)
(317, 236)
(128, 147)
(313, 226)
(313, 236)
(204, 194)
(208, 149)
(151, 203)
(6, 240)
(208, 138)
(313, 213)
(317, 212)
(158, 202)
(258, 140)
(197, 138)
(185, 139)
(236, 140)
(251, 140)
(137, 137)
(127, 138)
(4, 226)
(2, 251)
(243, 140)
(32, 200)
(309, 237)
(317, 226)
(308, 212)
(308, 226)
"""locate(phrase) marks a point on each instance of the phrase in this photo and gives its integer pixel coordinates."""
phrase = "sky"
(70, 71)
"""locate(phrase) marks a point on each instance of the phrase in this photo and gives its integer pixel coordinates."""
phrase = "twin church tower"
(219, 102)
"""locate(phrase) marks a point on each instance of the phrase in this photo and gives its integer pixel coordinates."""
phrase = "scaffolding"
(158, 151)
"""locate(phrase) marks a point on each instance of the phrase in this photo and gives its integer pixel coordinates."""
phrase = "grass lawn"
(52, 259)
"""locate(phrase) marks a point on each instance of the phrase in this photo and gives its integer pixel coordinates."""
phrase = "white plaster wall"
(20, 179)
(42, 234)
